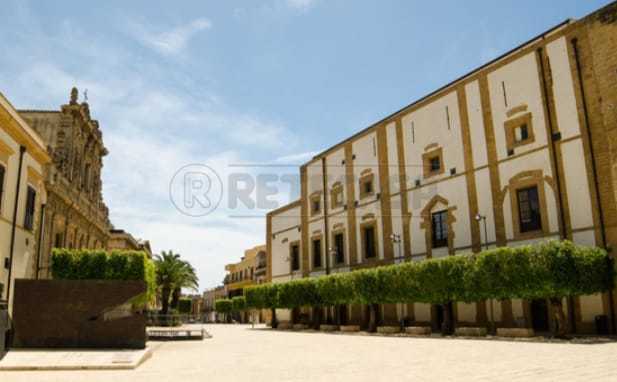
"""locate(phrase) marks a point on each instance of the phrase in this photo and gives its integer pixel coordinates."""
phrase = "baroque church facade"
(75, 214)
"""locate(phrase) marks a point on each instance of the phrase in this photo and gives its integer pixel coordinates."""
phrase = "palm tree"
(187, 279)
(173, 274)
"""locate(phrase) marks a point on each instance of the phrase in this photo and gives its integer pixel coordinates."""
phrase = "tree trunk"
(560, 328)
(373, 318)
(317, 313)
(274, 323)
(446, 325)
(175, 298)
(337, 315)
(165, 299)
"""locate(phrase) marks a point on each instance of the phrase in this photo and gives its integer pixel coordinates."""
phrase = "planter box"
(300, 327)
(328, 328)
(515, 332)
(388, 329)
(350, 328)
(78, 314)
(470, 331)
(284, 326)
(418, 330)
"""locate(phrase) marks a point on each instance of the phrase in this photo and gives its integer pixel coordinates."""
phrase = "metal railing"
(173, 319)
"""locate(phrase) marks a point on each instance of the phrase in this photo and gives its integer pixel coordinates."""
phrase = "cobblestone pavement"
(241, 353)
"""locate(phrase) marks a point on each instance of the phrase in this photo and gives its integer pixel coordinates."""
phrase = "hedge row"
(226, 305)
(548, 270)
(86, 264)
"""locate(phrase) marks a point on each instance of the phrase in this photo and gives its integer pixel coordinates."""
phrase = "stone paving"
(241, 353)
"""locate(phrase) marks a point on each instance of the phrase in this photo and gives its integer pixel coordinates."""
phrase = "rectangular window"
(339, 246)
(337, 196)
(529, 209)
(369, 242)
(58, 241)
(30, 207)
(440, 229)
(317, 253)
(521, 133)
(366, 186)
(295, 257)
(2, 172)
(315, 204)
(435, 164)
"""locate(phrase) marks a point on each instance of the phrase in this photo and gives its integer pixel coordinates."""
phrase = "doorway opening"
(539, 316)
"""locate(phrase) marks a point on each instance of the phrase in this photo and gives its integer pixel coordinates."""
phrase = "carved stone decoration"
(74, 95)
(80, 216)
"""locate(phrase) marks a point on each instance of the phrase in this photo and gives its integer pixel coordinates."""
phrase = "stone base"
(350, 328)
(515, 332)
(73, 359)
(470, 331)
(388, 329)
(418, 330)
(300, 327)
(328, 328)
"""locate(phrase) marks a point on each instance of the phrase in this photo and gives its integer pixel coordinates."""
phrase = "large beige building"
(75, 215)
(23, 157)
(519, 150)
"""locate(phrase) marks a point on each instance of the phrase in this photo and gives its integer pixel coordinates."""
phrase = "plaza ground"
(237, 352)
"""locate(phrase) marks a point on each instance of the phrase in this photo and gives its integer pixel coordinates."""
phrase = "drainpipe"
(22, 151)
(594, 169)
(40, 243)
(325, 220)
(562, 222)
(325, 213)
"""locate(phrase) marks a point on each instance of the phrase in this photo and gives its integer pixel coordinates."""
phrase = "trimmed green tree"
(264, 296)
(225, 307)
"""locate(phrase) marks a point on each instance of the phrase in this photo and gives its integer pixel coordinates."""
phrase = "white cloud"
(301, 4)
(170, 42)
(151, 130)
(296, 159)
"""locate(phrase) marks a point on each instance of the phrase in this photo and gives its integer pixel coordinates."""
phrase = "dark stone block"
(78, 314)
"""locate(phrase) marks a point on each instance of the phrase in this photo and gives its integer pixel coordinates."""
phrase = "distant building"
(23, 157)
(209, 297)
(248, 271)
(122, 240)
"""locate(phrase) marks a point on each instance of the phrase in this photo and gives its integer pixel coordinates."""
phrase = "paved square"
(241, 353)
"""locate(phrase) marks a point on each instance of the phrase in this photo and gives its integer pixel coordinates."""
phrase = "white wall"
(285, 227)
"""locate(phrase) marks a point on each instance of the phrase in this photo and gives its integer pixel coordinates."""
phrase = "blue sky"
(228, 82)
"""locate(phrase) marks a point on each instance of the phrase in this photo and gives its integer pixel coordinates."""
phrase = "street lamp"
(396, 239)
(332, 252)
(482, 218)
